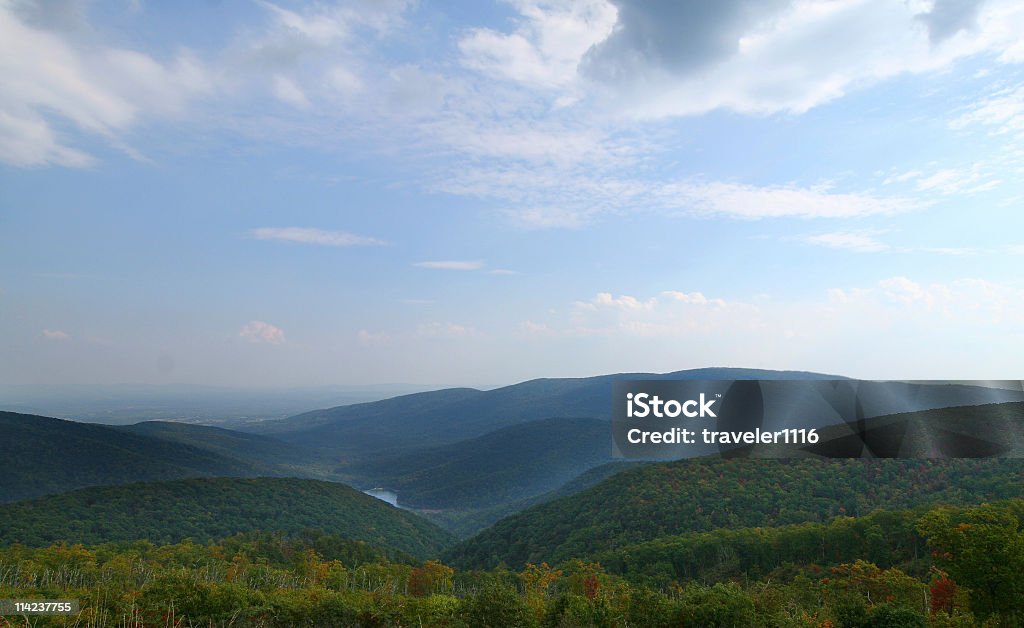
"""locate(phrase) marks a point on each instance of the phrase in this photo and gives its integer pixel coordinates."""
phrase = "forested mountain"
(253, 448)
(448, 416)
(45, 456)
(945, 567)
(993, 429)
(508, 464)
(706, 494)
(467, 523)
(209, 508)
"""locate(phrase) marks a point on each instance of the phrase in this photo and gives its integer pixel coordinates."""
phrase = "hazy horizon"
(279, 195)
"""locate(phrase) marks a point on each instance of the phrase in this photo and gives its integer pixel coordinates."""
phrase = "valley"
(477, 483)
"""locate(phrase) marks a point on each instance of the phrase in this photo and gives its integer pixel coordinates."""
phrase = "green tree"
(497, 606)
(983, 549)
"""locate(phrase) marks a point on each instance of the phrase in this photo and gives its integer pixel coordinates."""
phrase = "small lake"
(383, 494)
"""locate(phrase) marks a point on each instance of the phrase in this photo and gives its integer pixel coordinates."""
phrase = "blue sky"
(255, 193)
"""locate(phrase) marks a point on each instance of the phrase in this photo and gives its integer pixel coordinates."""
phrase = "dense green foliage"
(512, 463)
(982, 548)
(208, 508)
(885, 538)
(317, 580)
(44, 456)
(702, 495)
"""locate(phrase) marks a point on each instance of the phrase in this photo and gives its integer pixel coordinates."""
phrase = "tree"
(497, 606)
(983, 549)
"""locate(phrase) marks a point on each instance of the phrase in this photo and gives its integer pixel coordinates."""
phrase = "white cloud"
(1002, 112)
(950, 250)
(626, 302)
(747, 201)
(903, 290)
(539, 329)
(503, 271)
(320, 27)
(549, 217)
(768, 57)
(310, 58)
(63, 85)
(55, 334)
(451, 265)
(862, 242)
(693, 298)
(902, 177)
(262, 332)
(547, 45)
(958, 181)
(866, 242)
(451, 331)
(670, 313)
(858, 311)
(970, 300)
(372, 339)
(302, 235)
(551, 197)
(287, 91)
(29, 141)
(755, 56)
(51, 79)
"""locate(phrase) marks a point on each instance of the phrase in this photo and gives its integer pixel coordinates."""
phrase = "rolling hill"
(45, 456)
(448, 416)
(466, 523)
(993, 429)
(700, 495)
(214, 508)
(252, 448)
(508, 464)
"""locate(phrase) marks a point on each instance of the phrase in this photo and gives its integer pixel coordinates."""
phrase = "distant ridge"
(242, 446)
(451, 415)
(45, 456)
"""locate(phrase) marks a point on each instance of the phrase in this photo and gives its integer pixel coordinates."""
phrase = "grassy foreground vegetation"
(949, 567)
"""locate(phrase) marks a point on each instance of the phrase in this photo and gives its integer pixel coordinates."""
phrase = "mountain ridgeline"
(448, 416)
(253, 448)
(47, 456)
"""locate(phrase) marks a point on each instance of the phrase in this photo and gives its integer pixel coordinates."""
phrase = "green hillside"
(466, 523)
(706, 494)
(210, 508)
(253, 448)
(885, 538)
(45, 456)
(509, 464)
